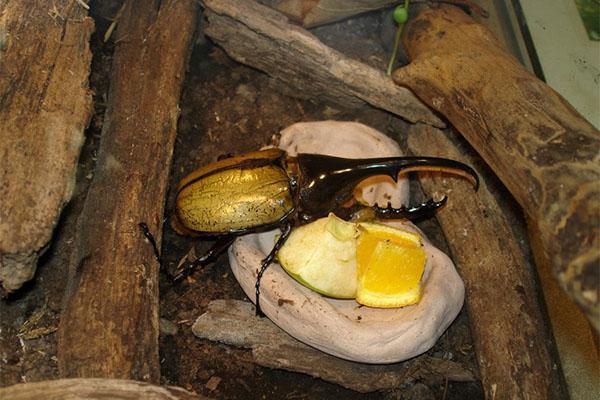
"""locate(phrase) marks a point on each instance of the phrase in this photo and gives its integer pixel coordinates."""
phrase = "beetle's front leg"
(287, 229)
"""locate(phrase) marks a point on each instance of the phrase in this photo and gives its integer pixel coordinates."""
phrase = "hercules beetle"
(267, 189)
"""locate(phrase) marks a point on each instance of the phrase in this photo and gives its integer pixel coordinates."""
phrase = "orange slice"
(390, 264)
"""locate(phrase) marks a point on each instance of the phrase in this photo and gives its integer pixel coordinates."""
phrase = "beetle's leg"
(425, 210)
(186, 268)
(267, 261)
(146, 232)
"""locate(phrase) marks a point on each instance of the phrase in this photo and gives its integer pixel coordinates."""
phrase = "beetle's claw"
(179, 275)
(180, 272)
(188, 264)
(424, 210)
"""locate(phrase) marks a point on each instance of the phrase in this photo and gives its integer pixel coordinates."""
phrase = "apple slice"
(322, 256)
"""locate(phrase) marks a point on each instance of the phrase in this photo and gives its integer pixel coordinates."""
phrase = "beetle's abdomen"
(235, 199)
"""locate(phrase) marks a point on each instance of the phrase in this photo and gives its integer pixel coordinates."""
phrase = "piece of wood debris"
(512, 339)
(541, 148)
(110, 324)
(234, 322)
(95, 389)
(213, 383)
(45, 106)
(263, 38)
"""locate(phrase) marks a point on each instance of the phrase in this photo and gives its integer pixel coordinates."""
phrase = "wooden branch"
(45, 105)
(110, 324)
(261, 37)
(234, 322)
(540, 147)
(362, 378)
(94, 389)
(512, 340)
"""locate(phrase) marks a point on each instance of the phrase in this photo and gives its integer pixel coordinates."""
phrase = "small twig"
(113, 24)
(33, 320)
(83, 4)
(445, 389)
(38, 332)
(54, 13)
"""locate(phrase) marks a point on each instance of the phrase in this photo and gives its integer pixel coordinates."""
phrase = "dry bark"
(512, 339)
(234, 322)
(261, 37)
(110, 324)
(539, 146)
(362, 378)
(45, 105)
(94, 389)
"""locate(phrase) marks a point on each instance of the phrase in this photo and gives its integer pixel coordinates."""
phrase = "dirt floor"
(226, 108)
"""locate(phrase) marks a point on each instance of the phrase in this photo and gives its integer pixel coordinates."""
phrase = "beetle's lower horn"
(422, 211)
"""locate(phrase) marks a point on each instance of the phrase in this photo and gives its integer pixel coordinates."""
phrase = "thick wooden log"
(94, 389)
(540, 147)
(512, 339)
(234, 322)
(261, 37)
(45, 105)
(109, 327)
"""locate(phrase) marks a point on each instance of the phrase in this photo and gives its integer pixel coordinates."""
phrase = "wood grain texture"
(234, 322)
(94, 389)
(109, 327)
(512, 339)
(540, 147)
(263, 38)
(45, 106)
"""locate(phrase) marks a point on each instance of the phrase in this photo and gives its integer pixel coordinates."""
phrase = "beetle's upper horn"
(325, 177)
(320, 167)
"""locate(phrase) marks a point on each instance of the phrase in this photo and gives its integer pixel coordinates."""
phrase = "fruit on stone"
(391, 263)
(378, 265)
(322, 256)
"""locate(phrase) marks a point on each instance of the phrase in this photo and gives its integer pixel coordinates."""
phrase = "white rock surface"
(342, 327)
